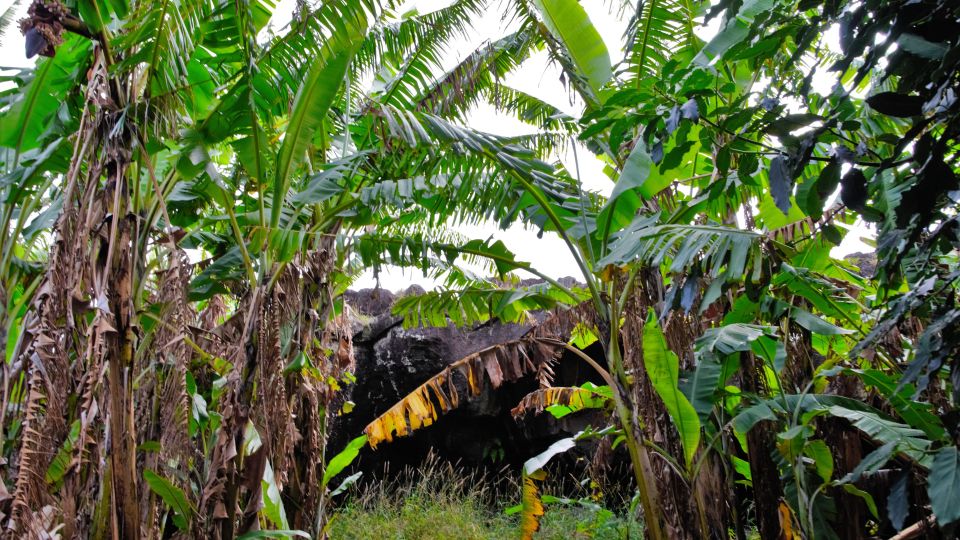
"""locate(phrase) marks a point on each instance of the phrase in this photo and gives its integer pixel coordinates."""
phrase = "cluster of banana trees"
(187, 191)
(755, 380)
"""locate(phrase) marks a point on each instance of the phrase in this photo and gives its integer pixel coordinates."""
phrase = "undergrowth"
(440, 501)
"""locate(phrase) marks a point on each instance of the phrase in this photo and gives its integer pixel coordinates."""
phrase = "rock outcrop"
(392, 360)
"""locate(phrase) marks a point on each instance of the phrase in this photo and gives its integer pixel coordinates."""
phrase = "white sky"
(536, 77)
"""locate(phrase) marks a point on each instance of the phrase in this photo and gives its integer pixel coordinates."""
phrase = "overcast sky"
(537, 77)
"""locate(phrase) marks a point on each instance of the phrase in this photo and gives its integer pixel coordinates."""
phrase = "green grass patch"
(438, 503)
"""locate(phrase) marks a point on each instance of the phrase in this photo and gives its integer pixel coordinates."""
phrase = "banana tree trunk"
(691, 508)
(760, 447)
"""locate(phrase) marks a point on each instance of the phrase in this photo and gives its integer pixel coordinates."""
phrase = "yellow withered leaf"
(531, 505)
(439, 395)
(787, 528)
(473, 378)
(574, 397)
(420, 408)
(505, 362)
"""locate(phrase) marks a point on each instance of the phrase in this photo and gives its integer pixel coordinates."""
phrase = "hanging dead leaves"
(575, 398)
(472, 375)
(487, 368)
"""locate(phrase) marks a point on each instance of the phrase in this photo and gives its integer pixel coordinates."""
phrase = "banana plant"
(204, 185)
(197, 131)
(705, 229)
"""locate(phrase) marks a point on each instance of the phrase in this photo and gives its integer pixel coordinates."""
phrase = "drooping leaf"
(272, 502)
(921, 47)
(172, 496)
(734, 32)
(871, 462)
(910, 441)
(866, 496)
(347, 482)
(539, 461)
(811, 194)
(531, 505)
(914, 413)
(690, 110)
(898, 502)
(635, 172)
(672, 121)
(710, 348)
(663, 368)
(703, 384)
(943, 485)
(822, 458)
(853, 189)
(896, 105)
(561, 401)
(731, 338)
(569, 23)
(816, 324)
(781, 183)
(489, 367)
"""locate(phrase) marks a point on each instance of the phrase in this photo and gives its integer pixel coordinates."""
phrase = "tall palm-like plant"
(709, 270)
(149, 393)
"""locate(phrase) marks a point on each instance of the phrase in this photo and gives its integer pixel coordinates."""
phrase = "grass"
(419, 516)
(439, 503)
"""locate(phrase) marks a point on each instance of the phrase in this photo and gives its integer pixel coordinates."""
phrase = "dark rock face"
(391, 361)
(370, 301)
(865, 262)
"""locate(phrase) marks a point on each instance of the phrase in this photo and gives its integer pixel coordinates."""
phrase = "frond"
(231, 25)
(575, 82)
(8, 16)
(478, 75)
(280, 69)
(161, 42)
(393, 43)
(489, 367)
(544, 144)
(829, 298)
(404, 56)
(719, 248)
(516, 177)
(482, 301)
(425, 250)
(658, 30)
(445, 186)
(530, 110)
(571, 40)
(415, 71)
(31, 112)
